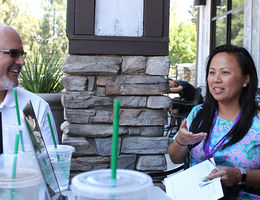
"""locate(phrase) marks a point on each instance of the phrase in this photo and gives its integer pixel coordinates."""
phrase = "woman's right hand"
(186, 137)
(179, 148)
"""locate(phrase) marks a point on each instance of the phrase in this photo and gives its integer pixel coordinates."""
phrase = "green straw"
(15, 152)
(14, 163)
(52, 134)
(115, 138)
(18, 117)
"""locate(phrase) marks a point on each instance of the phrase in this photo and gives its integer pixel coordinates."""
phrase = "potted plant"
(42, 75)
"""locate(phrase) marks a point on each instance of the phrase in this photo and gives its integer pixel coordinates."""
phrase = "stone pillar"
(91, 84)
(187, 72)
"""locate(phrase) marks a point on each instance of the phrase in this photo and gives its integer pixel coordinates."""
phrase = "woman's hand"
(229, 175)
(179, 148)
(186, 137)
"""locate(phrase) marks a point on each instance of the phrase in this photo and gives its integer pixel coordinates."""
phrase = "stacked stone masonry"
(91, 84)
(187, 72)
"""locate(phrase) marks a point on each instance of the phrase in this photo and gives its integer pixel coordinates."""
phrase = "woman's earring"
(245, 84)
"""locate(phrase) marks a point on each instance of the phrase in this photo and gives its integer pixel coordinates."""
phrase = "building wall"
(91, 84)
(187, 72)
(252, 31)
(203, 42)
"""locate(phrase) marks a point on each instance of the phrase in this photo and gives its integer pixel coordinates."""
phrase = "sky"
(34, 7)
(182, 7)
(35, 4)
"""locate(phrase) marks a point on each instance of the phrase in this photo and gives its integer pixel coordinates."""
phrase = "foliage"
(182, 34)
(237, 27)
(51, 34)
(41, 74)
(8, 11)
(182, 47)
(194, 14)
(46, 33)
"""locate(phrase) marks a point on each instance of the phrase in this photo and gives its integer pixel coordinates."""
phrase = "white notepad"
(186, 185)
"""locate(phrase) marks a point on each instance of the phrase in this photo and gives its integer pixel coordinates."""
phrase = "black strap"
(231, 193)
(1, 134)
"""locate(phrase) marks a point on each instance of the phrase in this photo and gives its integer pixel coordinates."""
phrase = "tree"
(43, 37)
(237, 25)
(46, 34)
(8, 11)
(182, 47)
(52, 35)
(20, 19)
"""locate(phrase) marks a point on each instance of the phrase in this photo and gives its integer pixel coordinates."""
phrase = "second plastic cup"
(98, 185)
(60, 160)
(10, 132)
(25, 184)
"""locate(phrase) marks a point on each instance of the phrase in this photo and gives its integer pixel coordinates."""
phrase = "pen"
(205, 181)
(213, 164)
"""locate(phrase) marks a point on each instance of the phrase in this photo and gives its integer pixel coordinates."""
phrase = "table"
(154, 193)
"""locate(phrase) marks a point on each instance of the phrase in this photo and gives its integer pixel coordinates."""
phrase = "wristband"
(184, 145)
(243, 173)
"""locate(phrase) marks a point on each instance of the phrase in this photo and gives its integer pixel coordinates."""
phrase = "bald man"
(12, 57)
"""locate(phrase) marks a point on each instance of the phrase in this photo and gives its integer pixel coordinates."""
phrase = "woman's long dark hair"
(204, 119)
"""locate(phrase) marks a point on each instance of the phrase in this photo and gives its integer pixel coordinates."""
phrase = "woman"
(227, 126)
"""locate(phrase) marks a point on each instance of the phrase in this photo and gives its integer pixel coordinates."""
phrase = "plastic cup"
(60, 160)
(10, 131)
(98, 185)
(27, 180)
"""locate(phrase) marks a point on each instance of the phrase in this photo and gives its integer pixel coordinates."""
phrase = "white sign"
(119, 18)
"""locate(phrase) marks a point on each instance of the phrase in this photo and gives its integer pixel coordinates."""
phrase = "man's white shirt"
(41, 107)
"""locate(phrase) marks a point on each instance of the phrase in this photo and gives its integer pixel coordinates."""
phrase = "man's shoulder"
(27, 95)
(184, 84)
(24, 92)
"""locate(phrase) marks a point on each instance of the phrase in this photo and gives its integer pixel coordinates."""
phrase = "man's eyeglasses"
(14, 53)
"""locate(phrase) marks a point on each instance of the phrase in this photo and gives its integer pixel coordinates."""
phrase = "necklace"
(223, 117)
(209, 153)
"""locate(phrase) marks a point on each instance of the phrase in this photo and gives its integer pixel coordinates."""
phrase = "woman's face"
(225, 79)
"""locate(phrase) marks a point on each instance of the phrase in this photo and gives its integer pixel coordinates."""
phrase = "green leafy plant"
(42, 74)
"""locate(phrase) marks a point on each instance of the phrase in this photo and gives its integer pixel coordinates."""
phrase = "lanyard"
(1, 134)
(209, 153)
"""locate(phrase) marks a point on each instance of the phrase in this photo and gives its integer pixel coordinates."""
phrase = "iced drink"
(60, 160)
(47, 171)
(25, 184)
(9, 138)
(97, 185)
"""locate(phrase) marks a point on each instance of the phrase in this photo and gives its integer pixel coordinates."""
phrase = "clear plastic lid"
(99, 185)
(26, 170)
(24, 178)
(61, 147)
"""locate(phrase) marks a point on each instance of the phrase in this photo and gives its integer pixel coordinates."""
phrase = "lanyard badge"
(209, 153)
